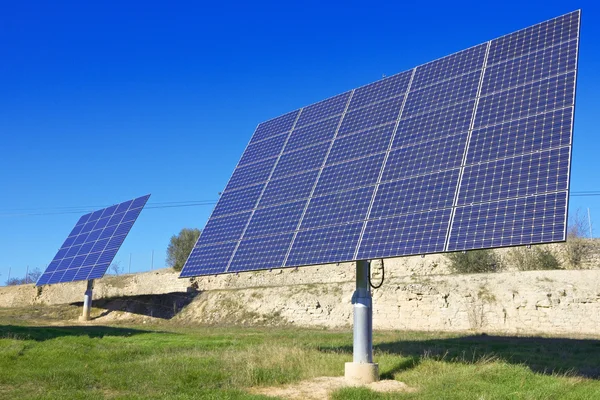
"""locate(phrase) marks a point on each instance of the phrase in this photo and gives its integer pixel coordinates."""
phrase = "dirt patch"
(321, 388)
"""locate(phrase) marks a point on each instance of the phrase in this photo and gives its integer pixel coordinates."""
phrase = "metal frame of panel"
(447, 119)
(93, 243)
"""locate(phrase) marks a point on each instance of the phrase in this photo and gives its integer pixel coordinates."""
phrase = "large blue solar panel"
(468, 151)
(93, 243)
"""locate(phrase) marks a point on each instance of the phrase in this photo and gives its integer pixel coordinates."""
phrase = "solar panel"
(93, 243)
(466, 152)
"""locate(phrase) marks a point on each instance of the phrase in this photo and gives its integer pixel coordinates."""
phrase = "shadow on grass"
(164, 306)
(42, 333)
(575, 357)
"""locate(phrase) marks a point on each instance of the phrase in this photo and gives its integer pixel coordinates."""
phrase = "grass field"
(167, 362)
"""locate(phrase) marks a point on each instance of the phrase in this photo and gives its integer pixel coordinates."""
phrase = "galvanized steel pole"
(87, 301)
(363, 315)
(362, 368)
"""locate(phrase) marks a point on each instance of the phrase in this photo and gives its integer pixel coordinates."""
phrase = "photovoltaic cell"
(361, 144)
(443, 94)
(404, 235)
(468, 151)
(232, 202)
(351, 174)
(509, 222)
(208, 260)
(309, 135)
(289, 188)
(265, 149)
(438, 123)
(306, 159)
(93, 243)
(456, 64)
(521, 136)
(261, 253)
(227, 228)
(274, 127)
(551, 61)
(370, 116)
(425, 157)
(338, 208)
(419, 193)
(548, 94)
(325, 245)
(274, 220)
(536, 37)
(251, 174)
(323, 110)
(384, 89)
(540, 172)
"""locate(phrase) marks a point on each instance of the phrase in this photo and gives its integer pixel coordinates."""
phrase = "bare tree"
(116, 268)
(31, 277)
(34, 275)
(577, 248)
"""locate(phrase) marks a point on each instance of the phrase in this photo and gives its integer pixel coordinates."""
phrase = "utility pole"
(590, 223)
(27, 275)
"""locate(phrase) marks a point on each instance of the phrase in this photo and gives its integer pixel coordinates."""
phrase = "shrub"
(474, 261)
(577, 247)
(534, 258)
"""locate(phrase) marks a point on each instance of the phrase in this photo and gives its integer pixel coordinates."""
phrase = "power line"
(588, 193)
(83, 209)
(60, 210)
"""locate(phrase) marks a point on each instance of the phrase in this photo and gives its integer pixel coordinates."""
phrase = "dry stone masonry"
(418, 294)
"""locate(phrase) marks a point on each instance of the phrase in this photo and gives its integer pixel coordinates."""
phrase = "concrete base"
(84, 318)
(362, 372)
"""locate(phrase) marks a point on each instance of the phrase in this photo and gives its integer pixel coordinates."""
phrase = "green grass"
(167, 362)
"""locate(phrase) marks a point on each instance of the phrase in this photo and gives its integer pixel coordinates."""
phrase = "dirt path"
(320, 388)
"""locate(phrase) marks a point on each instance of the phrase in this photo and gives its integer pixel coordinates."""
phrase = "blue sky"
(103, 102)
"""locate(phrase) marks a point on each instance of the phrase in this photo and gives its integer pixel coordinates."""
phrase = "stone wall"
(418, 294)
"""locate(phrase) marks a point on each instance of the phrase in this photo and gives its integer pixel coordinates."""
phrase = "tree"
(31, 277)
(180, 247)
(34, 275)
(116, 268)
(577, 247)
(473, 261)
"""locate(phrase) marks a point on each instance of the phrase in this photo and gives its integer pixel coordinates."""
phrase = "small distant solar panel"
(466, 152)
(93, 243)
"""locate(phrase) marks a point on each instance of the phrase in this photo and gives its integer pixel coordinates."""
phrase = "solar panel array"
(469, 151)
(93, 243)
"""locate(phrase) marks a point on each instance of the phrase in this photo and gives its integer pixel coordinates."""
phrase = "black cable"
(382, 276)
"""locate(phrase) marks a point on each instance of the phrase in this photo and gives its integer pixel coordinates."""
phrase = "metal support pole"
(362, 367)
(87, 301)
(363, 315)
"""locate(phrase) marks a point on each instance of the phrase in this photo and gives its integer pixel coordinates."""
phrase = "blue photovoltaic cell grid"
(93, 243)
(468, 151)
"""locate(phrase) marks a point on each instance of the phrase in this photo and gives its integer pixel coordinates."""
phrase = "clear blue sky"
(101, 102)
